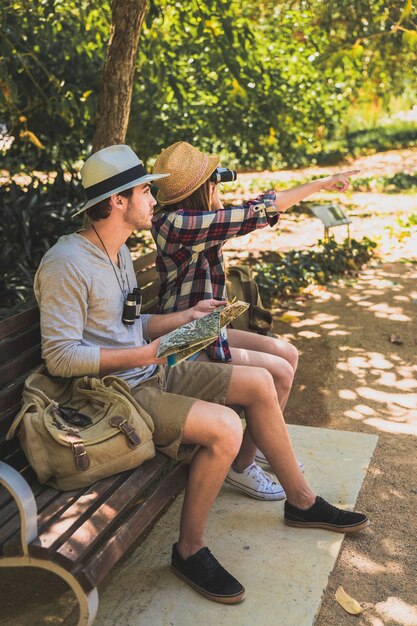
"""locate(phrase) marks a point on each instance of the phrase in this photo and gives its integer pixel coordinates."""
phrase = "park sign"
(331, 215)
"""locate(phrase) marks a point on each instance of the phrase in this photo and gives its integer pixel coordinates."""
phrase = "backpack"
(240, 284)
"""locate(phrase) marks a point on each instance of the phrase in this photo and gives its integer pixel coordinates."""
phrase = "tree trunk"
(119, 69)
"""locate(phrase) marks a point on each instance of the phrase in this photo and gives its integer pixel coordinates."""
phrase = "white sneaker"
(261, 458)
(256, 483)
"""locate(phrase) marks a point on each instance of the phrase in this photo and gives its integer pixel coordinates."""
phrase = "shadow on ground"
(358, 372)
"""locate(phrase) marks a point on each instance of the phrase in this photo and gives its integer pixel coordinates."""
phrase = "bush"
(399, 182)
(298, 269)
(33, 217)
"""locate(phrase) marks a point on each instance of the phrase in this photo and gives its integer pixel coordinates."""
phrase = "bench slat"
(8, 507)
(9, 537)
(148, 276)
(23, 364)
(9, 348)
(54, 507)
(75, 515)
(93, 529)
(17, 322)
(91, 573)
(5, 496)
(150, 293)
(10, 397)
(16, 457)
(144, 261)
(6, 420)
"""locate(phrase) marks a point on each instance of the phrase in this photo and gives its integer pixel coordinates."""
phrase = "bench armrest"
(25, 500)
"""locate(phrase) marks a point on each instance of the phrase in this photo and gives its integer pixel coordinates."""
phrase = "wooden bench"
(79, 535)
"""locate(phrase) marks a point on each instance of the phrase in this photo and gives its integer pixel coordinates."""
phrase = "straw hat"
(189, 168)
(111, 170)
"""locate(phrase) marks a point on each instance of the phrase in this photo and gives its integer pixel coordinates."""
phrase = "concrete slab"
(284, 570)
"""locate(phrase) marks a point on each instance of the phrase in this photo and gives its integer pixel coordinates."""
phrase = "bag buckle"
(133, 439)
(82, 461)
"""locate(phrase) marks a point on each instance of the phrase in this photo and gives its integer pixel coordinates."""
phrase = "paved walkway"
(284, 570)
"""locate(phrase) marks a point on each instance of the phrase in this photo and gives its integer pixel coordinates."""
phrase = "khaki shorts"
(169, 395)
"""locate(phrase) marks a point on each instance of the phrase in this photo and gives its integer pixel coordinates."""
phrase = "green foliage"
(267, 84)
(399, 182)
(33, 218)
(231, 81)
(409, 221)
(382, 138)
(51, 55)
(298, 269)
(405, 227)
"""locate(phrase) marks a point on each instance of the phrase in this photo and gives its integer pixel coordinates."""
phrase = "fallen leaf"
(396, 339)
(288, 319)
(350, 605)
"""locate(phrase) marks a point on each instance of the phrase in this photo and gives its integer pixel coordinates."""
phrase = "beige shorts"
(169, 395)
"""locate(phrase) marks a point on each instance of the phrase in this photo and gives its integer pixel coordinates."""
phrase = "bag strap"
(19, 417)
(118, 421)
(81, 459)
(255, 311)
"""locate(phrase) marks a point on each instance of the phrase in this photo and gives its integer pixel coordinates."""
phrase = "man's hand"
(204, 307)
(339, 181)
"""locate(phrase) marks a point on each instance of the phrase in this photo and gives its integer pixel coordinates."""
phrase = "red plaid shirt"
(190, 258)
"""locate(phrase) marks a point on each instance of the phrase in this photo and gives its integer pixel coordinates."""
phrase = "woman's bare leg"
(278, 357)
(254, 389)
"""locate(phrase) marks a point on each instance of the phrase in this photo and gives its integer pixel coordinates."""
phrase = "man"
(81, 287)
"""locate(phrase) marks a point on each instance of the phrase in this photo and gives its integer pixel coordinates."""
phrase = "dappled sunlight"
(395, 609)
(390, 312)
(318, 320)
(400, 409)
(370, 373)
(367, 565)
(389, 379)
(389, 427)
(408, 401)
(368, 360)
(309, 334)
(347, 394)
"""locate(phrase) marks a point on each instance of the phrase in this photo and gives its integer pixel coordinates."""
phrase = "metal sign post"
(331, 215)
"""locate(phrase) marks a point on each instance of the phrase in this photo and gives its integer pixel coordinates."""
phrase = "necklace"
(112, 264)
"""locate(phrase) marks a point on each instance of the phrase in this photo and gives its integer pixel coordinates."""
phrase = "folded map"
(189, 339)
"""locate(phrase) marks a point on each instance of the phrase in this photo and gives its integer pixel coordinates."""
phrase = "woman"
(189, 230)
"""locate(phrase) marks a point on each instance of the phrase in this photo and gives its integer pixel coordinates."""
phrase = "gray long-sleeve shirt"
(81, 308)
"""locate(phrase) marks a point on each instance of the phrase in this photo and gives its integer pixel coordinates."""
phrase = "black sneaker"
(324, 515)
(203, 572)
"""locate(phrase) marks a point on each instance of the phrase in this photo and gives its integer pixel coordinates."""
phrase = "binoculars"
(223, 175)
(132, 306)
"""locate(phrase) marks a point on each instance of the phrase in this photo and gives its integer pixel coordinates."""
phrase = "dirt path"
(353, 377)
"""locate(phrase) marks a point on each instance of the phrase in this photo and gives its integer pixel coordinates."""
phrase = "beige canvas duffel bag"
(78, 430)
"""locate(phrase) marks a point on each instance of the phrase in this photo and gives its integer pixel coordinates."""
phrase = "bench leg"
(88, 601)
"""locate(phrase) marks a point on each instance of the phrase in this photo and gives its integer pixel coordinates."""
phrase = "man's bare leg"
(218, 430)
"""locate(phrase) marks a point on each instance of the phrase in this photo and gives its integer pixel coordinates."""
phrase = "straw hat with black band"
(189, 168)
(110, 171)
